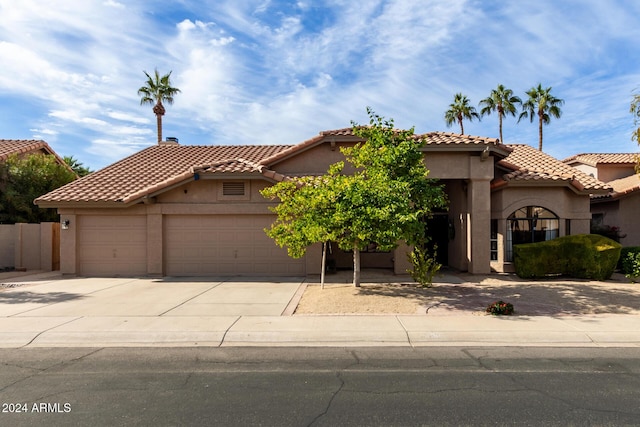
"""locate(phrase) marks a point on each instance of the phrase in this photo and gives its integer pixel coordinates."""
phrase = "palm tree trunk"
(461, 127)
(540, 134)
(356, 265)
(159, 126)
(500, 125)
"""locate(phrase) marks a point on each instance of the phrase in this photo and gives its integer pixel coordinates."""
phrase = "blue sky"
(279, 72)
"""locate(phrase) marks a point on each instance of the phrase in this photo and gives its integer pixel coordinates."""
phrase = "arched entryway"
(530, 224)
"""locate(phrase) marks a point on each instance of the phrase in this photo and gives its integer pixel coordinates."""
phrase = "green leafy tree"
(543, 105)
(502, 101)
(77, 166)
(459, 110)
(635, 110)
(22, 180)
(156, 91)
(386, 200)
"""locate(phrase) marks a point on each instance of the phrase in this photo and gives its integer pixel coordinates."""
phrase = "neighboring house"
(25, 147)
(605, 167)
(619, 208)
(196, 210)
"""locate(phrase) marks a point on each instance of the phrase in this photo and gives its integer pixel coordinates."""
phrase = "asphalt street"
(363, 386)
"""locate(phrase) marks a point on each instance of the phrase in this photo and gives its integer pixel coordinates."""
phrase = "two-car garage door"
(193, 245)
(201, 245)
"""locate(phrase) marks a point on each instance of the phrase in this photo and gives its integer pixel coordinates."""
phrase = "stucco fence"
(30, 246)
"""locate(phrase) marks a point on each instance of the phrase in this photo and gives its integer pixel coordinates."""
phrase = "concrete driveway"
(51, 295)
(47, 309)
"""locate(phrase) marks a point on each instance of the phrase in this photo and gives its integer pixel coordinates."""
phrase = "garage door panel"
(225, 245)
(112, 245)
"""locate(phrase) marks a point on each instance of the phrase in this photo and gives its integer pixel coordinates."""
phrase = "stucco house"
(180, 210)
(618, 208)
(25, 147)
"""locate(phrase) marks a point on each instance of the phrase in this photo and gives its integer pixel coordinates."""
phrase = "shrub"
(631, 265)
(500, 308)
(425, 265)
(610, 231)
(583, 256)
(623, 254)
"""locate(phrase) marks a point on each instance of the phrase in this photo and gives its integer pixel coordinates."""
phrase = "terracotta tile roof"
(22, 146)
(623, 186)
(435, 139)
(594, 159)
(158, 167)
(450, 138)
(530, 164)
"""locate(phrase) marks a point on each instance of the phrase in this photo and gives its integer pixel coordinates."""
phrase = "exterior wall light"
(65, 224)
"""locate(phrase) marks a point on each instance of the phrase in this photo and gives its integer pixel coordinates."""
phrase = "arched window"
(530, 224)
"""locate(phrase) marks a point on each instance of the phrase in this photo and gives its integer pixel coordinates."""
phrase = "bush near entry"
(629, 262)
(623, 254)
(583, 256)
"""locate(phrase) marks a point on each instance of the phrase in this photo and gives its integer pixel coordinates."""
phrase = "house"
(618, 209)
(179, 210)
(25, 147)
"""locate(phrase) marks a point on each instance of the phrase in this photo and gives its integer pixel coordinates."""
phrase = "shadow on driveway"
(23, 297)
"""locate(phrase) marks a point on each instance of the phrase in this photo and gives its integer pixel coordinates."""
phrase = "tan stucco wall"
(622, 213)
(315, 160)
(610, 172)
(7, 246)
(629, 222)
(447, 165)
(27, 246)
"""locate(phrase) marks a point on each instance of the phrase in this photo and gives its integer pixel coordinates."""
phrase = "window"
(530, 224)
(494, 240)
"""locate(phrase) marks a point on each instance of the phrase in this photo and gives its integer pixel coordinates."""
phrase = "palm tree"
(157, 90)
(459, 110)
(503, 101)
(543, 105)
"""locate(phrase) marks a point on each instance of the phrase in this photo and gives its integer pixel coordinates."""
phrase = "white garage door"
(201, 245)
(112, 245)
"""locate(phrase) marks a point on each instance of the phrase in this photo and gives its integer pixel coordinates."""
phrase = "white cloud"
(257, 71)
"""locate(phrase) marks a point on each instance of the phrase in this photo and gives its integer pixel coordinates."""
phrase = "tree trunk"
(540, 134)
(159, 125)
(324, 264)
(356, 266)
(159, 111)
(500, 124)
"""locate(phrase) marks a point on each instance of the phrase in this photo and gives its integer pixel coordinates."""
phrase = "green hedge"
(583, 256)
(623, 254)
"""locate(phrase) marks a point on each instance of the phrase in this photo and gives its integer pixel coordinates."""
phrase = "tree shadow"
(24, 297)
(549, 298)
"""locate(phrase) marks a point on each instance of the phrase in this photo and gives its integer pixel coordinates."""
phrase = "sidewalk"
(46, 310)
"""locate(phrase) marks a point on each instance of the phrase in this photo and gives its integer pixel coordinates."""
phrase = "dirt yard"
(468, 294)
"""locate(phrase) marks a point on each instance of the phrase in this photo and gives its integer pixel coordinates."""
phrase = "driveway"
(53, 296)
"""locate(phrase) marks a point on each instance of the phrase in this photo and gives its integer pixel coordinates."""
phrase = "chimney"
(171, 140)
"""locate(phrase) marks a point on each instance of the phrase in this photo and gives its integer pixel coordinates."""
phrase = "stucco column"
(68, 244)
(479, 220)
(154, 244)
